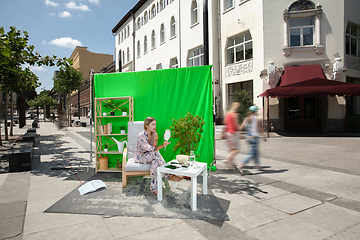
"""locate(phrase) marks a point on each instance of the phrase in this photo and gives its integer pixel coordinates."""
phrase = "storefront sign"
(239, 69)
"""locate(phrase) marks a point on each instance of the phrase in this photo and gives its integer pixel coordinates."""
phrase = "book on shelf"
(106, 129)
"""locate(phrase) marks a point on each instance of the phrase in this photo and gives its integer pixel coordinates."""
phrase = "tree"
(15, 52)
(67, 80)
(188, 129)
(245, 103)
(42, 101)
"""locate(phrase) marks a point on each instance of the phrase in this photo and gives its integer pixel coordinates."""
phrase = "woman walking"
(253, 126)
(231, 129)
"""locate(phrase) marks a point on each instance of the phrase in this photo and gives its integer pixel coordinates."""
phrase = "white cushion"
(131, 166)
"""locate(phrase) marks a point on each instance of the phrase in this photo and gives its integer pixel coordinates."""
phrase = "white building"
(251, 43)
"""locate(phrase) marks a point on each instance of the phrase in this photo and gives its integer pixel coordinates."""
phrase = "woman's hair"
(234, 107)
(147, 121)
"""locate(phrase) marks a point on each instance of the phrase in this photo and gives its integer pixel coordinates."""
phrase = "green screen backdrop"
(165, 94)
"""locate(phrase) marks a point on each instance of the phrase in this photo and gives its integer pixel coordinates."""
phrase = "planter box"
(20, 157)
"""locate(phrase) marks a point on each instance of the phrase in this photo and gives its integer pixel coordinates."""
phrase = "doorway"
(301, 114)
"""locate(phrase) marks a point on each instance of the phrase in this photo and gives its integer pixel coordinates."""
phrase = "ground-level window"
(233, 88)
(196, 57)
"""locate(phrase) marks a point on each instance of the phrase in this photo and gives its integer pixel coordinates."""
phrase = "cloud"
(72, 5)
(38, 68)
(50, 3)
(43, 42)
(66, 42)
(65, 14)
(97, 2)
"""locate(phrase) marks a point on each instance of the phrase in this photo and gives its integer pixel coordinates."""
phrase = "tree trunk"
(6, 113)
(44, 112)
(11, 114)
(69, 104)
(1, 114)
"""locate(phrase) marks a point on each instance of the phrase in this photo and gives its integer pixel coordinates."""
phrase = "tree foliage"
(67, 80)
(42, 100)
(245, 103)
(15, 52)
(188, 130)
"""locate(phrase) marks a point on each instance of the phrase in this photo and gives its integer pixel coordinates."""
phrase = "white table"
(189, 172)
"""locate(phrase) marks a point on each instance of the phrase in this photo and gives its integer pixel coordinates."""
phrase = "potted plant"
(112, 105)
(106, 147)
(124, 111)
(122, 129)
(188, 130)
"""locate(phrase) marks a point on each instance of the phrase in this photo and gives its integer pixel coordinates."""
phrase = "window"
(153, 39)
(159, 66)
(239, 48)
(153, 11)
(138, 48)
(352, 40)
(138, 23)
(128, 54)
(146, 17)
(302, 27)
(174, 63)
(128, 31)
(162, 33)
(172, 27)
(119, 39)
(123, 57)
(145, 44)
(235, 88)
(122, 36)
(162, 5)
(228, 4)
(196, 57)
(194, 16)
(301, 31)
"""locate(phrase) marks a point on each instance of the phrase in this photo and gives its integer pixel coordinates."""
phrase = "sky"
(56, 27)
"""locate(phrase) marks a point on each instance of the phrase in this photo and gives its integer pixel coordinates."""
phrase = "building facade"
(84, 61)
(251, 43)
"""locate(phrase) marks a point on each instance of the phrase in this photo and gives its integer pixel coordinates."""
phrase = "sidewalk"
(309, 189)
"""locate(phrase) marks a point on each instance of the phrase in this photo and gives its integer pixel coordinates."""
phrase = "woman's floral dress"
(145, 154)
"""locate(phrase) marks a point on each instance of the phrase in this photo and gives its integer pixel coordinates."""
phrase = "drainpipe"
(120, 63)
(133, 34)
(206, 32)
(179, 35)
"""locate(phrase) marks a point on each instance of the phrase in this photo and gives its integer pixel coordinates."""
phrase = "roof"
(128, 15)
(309, 81)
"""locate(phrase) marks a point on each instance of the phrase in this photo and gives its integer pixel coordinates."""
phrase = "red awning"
(309, 81)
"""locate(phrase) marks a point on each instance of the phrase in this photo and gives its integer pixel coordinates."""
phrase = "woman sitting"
(147, 152)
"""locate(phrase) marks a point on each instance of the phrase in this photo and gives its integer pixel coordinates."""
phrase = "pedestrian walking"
(231, 128)
(252, 124)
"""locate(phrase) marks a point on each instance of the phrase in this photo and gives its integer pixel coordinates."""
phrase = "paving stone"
(289, 228)
(351, 233)
(330, 217)
(10, 210)
(291, 203)
(347, 203)
(314, 194)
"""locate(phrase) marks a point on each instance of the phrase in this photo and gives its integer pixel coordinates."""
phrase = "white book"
(91, 186)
